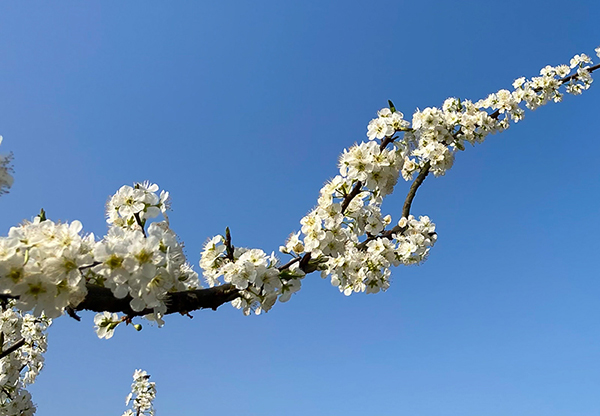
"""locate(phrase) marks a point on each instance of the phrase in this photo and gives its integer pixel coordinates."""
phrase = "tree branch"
(101, 299)
(12, 348)
(413, 189)
(348, 198)
(561, 81)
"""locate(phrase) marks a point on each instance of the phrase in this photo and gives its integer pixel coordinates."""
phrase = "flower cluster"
(47, 265)
(20, 367)
(130, 207)
(144, 262)
(143, 393)
(40, 264)
(343, 234)
(6, 179)
(252, 272)
(144, 265)
(345, 231)
(365, 267)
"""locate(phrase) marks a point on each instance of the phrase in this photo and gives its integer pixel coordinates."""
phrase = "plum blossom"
(143, 393)
(6, 179)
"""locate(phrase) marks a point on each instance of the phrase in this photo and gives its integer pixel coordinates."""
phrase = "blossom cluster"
(131, 206)
(6, 179)
(345, 231)
(47, 265)
(367, 269)
(345, 235)
(144, 265)
(40, 264)
(143, 393)
(136, 259)
(251, 271)
(21, 367)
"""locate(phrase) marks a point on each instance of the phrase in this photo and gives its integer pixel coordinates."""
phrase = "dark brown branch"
(413, 189)
(289, 263)
(12, 348)
(101, 299)
(386, 141)
(4, 297)
(304, 263)
(574, 76)
(89, 266)
(348, 198)
(71, 312)
(139, 222)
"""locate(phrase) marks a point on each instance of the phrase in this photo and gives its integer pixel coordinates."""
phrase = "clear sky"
(240, 109)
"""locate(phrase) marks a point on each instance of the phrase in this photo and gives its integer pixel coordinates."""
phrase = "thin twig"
(413, 189)
(348, 198)
(140, 223)
(386, 141)
(289, 264)
(12, 348)
(89, 265)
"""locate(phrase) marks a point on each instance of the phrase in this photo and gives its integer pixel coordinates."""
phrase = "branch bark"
(12, 348)
(101, 299)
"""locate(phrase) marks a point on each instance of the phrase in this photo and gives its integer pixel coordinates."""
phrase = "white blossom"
(6, 179)
(143, 393)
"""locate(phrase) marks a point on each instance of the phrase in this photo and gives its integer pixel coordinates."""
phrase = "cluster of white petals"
(367, 269)
(6, 179)
(344, 233)
(144, 265)
(143, 393)
(47, 266)
(21, 367)
(40, 264)
(254, 273)
(345, 236)
(131, 206)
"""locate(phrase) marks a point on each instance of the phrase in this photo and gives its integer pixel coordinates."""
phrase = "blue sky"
(240, 110)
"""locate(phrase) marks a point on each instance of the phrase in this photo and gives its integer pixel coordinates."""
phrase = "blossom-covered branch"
(141, 398)
(139, 268)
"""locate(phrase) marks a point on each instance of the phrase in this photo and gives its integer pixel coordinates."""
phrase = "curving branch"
(348, 198)
(413, 189)
(100, 299)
